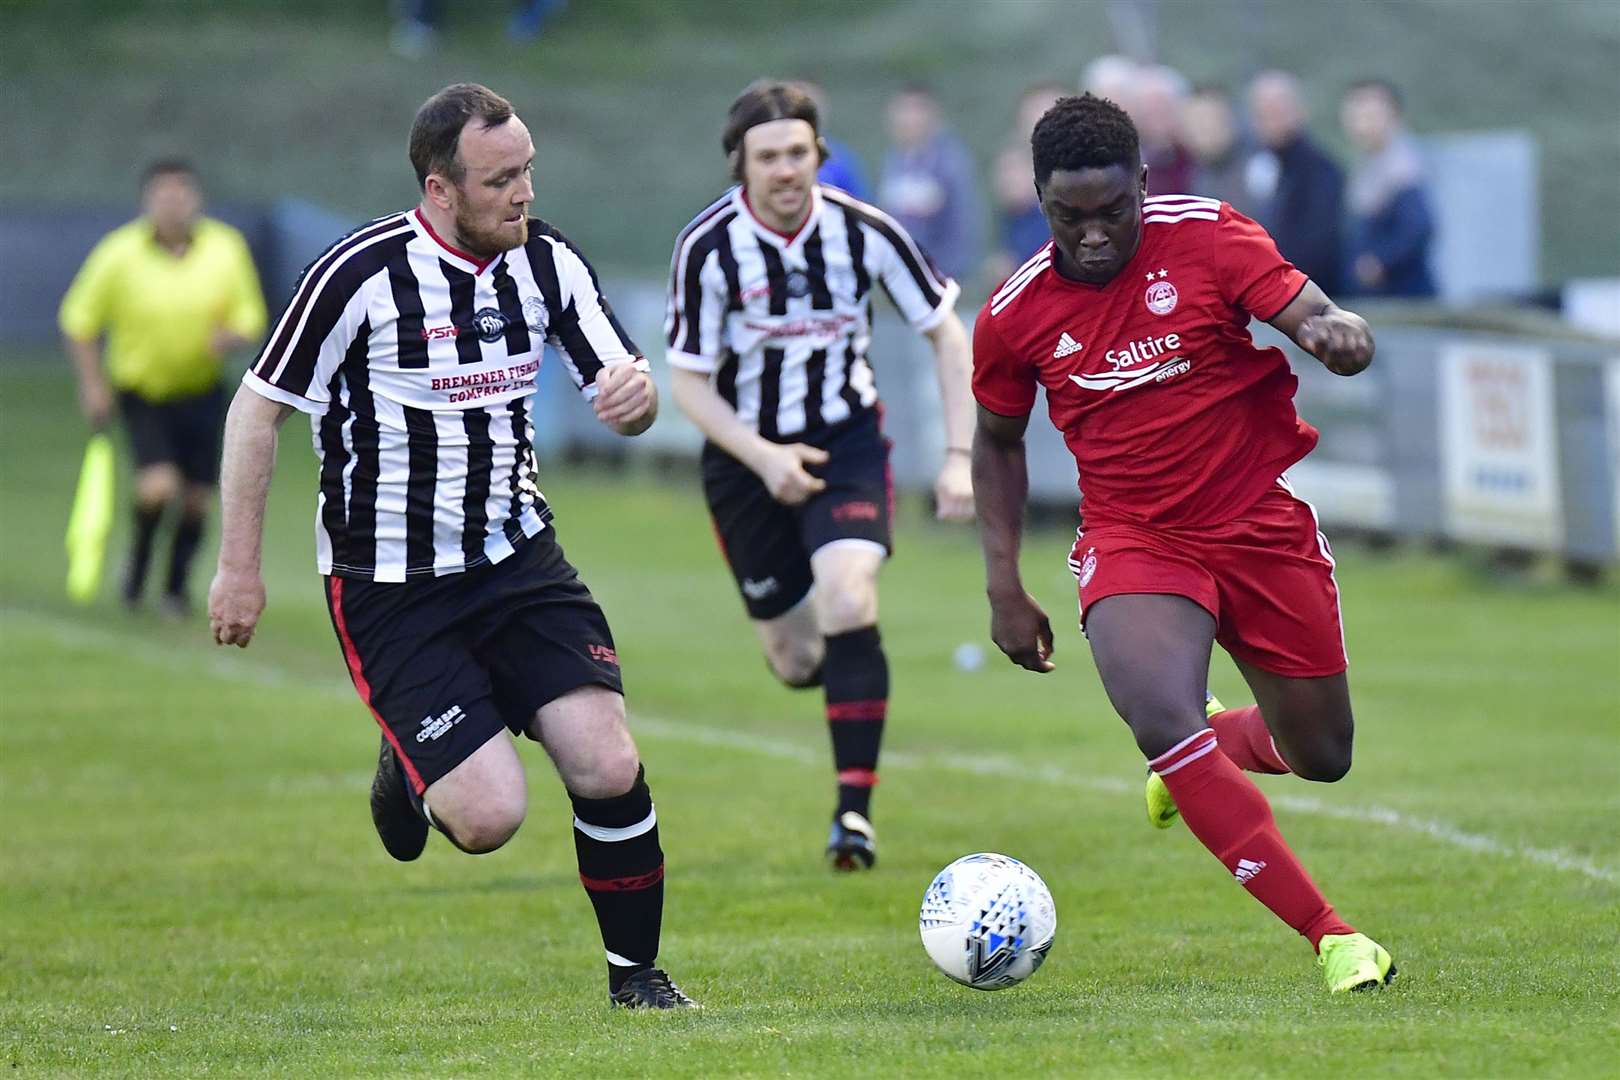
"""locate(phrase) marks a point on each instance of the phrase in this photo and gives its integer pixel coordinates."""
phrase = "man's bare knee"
(481, 829)
(1159, 726)
(584, 731)
(841, 610)
(845, 596)
(1324, 765)
(481, 802)
(615, 773)
(792, 645)
(157, 485)
(796, 664)
(198, 500)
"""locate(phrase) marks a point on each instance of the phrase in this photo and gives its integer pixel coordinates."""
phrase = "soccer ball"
(987, 921)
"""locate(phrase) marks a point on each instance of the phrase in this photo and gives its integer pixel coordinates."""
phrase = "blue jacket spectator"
(842, 169)
(1389, 229)
(928, 184)
(1020, 226)
(1023, 231)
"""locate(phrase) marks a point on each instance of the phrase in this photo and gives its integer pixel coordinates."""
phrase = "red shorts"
(1266, 577)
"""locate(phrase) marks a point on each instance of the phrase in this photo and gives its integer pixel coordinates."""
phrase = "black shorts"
(445, 663)
(768, 545)
(183, 432)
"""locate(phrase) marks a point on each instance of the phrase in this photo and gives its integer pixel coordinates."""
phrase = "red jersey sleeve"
(1251, 272)
(1003, 382)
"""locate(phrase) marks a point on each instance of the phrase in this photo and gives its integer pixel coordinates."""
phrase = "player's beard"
(486, 243)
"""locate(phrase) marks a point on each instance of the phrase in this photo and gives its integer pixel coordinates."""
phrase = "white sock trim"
(614, 836)
(1183, 744)
(1189, 759)
(619, 961)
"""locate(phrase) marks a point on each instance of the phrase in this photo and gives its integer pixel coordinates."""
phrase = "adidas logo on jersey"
(1066, 346)
(1248, 869)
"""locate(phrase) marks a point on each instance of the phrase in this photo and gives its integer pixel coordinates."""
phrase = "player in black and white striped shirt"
(769, 320)
(412, 343)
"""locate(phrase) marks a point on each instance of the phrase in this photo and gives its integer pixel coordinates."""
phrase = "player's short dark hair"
(1085, 132)
(167, 166)
(436, 132)
(1391, 92)
(766, 100)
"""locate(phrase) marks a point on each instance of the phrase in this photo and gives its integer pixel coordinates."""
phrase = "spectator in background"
(1161, 95)
(1389, 227)
(1297, 189)
(1113, 78)
(172, 292)
(928, 182)
(1220, 155)
(1153, 96)
(417, 22)
(842, 169)
(1020, 225)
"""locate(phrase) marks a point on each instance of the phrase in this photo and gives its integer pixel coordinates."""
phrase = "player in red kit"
(1134, 320)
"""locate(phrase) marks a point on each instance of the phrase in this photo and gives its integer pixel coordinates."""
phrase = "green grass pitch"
(189, 882)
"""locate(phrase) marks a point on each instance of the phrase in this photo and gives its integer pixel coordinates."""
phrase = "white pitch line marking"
(226, 667)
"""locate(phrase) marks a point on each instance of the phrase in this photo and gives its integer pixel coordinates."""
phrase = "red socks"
(1247, 741)
(1232, 819)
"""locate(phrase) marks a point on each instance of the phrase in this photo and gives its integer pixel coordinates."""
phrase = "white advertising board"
(1498, 445)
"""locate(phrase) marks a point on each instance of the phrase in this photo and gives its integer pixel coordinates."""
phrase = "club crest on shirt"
(798, 284)
(1161, 296)
(490, 324)
(534, 314)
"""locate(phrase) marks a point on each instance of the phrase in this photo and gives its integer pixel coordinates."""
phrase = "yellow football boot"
(1353, 962)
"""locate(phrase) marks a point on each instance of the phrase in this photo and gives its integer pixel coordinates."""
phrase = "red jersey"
(1173, 415)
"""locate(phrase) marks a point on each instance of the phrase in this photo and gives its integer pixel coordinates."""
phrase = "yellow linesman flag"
(91, 521)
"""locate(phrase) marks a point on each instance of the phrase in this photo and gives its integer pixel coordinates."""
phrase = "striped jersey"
(416, 362)
(782, 323)
(1174, 416)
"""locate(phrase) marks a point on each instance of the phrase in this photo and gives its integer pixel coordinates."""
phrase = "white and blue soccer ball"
(987, 921)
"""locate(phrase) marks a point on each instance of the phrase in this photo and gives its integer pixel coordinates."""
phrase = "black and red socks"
(622, 868)
(855, 676)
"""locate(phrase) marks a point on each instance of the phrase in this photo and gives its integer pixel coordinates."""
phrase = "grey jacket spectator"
(1220, 156)
(1298, 191)
(929, 183)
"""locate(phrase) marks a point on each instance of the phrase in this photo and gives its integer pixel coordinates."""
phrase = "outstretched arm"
(953, 490)
(1018, 626)
(1340, 339)
(236, 597)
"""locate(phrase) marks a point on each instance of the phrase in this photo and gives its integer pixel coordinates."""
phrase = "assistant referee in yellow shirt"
(171, 292)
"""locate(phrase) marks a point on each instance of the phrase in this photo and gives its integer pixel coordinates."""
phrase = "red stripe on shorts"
(363, 687)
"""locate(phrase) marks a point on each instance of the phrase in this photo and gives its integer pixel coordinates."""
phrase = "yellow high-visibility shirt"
(160, 310)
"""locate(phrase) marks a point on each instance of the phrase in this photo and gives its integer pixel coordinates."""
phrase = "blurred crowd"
(1365, 230)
